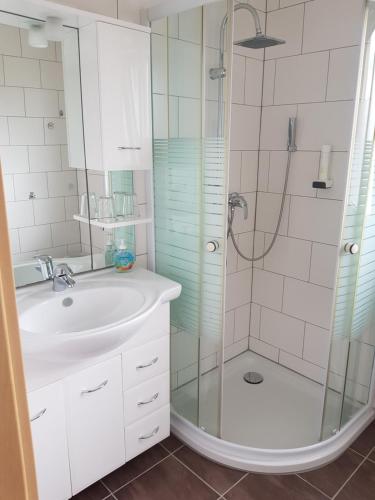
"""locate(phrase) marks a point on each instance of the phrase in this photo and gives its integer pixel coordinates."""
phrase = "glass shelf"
(115, 224)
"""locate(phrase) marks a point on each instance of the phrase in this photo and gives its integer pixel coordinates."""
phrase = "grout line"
(195, 474)
(313, 486)
(356, 452)
(353, 473)
(106, 487)
(235, 484)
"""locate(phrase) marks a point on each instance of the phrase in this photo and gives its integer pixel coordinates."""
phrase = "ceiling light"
(37, 37)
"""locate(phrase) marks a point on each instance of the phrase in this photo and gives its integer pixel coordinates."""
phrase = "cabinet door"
(125, 97)
(95, 422)
(47, 416)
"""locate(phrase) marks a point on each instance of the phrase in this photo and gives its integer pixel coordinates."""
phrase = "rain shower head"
(260, 41)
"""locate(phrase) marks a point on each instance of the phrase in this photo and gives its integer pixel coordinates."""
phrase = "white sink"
(97, 315)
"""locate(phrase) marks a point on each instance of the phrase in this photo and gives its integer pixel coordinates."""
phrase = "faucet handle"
(46, 265)
(63, 270)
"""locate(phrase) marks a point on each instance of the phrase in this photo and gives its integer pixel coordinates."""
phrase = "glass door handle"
(352, 248)
(212, 246)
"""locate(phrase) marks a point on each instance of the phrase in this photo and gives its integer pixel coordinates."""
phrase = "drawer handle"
(100, 386)
(131, 148)
(38, 415)
(152, 362)
(155, 396)
(152, 434)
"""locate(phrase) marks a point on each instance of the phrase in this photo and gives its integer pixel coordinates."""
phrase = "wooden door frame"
(17, 470)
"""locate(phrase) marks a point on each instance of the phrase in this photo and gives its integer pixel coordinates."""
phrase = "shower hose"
(282, 206)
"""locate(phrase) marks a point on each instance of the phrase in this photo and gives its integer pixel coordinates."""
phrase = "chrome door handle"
(38, 415)
(212, 246)
(352, 248)
(131, 148)
(152, 434)
(152, 362)
(151, 400)
(100, 386)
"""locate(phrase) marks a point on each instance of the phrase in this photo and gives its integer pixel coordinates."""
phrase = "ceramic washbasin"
(95, 316)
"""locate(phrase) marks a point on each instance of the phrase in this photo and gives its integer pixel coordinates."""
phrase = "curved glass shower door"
(353, 339)
(190, 168)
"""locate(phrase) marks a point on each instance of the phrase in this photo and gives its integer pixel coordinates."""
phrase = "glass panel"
(189, 173)
(353, 340)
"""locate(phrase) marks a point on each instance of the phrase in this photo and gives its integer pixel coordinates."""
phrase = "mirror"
(42, 145)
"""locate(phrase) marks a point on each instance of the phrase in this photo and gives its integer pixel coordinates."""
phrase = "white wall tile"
(160, 112)
(49, 53)
(4, 131)
(269, 82)
(14, 159)
(41, 102)
(301, 78)
(190, 25)
(71, 207)
(268, 210)
(235, 349)
(315, 219)
(62, 183)
(266, 350)
(2, 79)
(267, 289)
(308, 302)
(274, 132)
(10, 42)
(49, 210)
(240, 224)
(301, 366)
(249, 171)
(241, 322)
(253, 82)
(55, 133)
(8, 187)
(263, 170)
(229, 328)
(343, 73)
(273, 5)
(21, 72)
(159, 64)
(238, 289)
(24, 131)
(11, 101)
(189, 117)
(184, 69)
(245, 242)
(244, 134)
(231, 257)
(44, 158)
(26, 183)
(238, 79)
(316, 345)
(235, 172)
(51, 75)
(282, 331)
(289, 256)
(35, 238)
(20, 214)
(286, 24)
(323, 265)
(64, 233)
(14, 241)
(324, 123)
(338, 23)
(255, 320)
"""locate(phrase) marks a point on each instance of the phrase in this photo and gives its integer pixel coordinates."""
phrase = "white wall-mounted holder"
(324, 181)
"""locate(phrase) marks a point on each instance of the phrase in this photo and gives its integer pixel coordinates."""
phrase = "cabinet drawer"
(95, 422)
(146, 362)
(47, 420)
(146, 398)
(150, 430)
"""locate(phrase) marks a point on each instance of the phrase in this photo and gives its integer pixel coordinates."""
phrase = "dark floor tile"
(134, 467)
(169, 480)
(94, 492)
(372, 456)
(218, 476)
(361, 486)
(330, 478)
(365, 441)
(271, 487)
(171, 443)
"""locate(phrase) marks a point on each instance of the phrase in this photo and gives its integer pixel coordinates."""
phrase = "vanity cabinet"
(48, 428)
(116, 96)
(95, 422)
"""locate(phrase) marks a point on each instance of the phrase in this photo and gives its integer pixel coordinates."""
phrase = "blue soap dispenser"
(124, 259)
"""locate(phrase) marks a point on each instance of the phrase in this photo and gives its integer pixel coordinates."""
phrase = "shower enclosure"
(226, 111)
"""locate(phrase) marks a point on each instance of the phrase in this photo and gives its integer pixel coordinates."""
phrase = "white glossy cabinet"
(47, 416)
(116, 95)
(95, 422)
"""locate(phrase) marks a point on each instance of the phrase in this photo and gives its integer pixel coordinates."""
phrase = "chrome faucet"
(237, 200)
(61, 275)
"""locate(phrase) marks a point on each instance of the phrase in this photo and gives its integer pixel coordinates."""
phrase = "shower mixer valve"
(236, 200)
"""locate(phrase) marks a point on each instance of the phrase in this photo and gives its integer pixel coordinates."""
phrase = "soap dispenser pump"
(124, 259)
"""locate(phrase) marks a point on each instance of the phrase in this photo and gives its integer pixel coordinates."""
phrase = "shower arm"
(224, 22)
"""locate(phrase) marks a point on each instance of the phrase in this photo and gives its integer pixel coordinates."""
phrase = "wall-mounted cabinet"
(116, 94)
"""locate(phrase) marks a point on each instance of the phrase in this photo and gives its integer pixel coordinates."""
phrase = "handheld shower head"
(292, 134)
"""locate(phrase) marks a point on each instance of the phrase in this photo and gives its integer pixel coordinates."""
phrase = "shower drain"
(253, 378)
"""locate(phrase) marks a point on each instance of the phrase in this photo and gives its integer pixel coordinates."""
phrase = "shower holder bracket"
(323, 184)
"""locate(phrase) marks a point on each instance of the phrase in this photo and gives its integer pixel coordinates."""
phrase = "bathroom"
(219, 155)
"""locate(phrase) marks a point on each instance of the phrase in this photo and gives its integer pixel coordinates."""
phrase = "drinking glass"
(88, 205)
(106, 208)
(120, 203)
